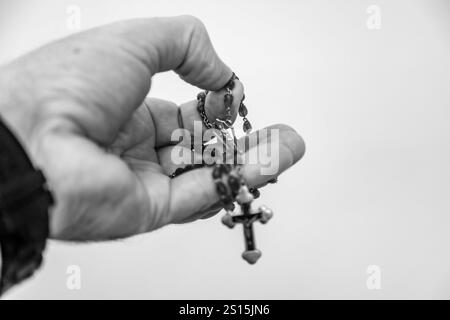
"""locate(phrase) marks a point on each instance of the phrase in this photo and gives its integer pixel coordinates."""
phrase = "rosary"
(228, 179)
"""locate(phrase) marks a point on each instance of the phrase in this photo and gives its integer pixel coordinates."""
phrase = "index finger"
(104, 74)
(177, 43)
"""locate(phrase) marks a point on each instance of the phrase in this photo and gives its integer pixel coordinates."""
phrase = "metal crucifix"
(244, 197)
(263, 214)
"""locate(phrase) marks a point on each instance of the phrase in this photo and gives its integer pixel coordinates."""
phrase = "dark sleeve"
(24, 205)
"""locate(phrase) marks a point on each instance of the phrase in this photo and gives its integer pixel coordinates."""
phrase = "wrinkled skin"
(79, 107)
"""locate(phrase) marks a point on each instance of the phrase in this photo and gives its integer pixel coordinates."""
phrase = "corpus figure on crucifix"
(247, 217)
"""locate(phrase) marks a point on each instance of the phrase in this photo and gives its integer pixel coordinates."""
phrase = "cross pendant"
(263, 214)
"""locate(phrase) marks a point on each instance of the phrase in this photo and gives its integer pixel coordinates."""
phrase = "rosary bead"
(178, 171)
(230, 84)
(187, 168)
(247, 126)
(243, 110)
(244, 195)
(201, 96)
(228, 100)
(234, 184)
(226, 167)
(221, 189)
(226, 198)
(227, 220)
(255, 192)
(217, 172)
(266, 214)
(220, 170)
(230, 206)
(198, 165)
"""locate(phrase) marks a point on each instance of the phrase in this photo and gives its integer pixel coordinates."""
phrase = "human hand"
(79, 107)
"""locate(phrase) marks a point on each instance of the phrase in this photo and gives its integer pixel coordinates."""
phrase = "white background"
(372, 189)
